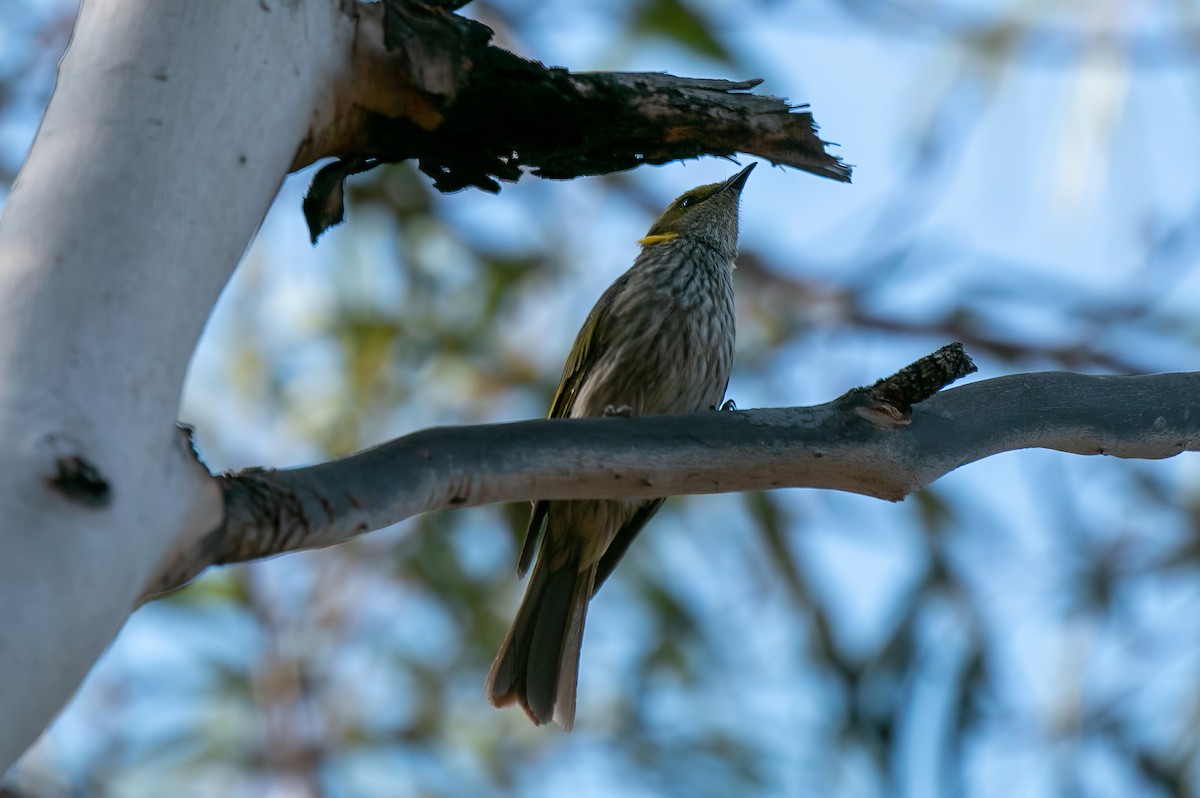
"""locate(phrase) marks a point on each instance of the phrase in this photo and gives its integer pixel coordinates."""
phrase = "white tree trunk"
(171, 127)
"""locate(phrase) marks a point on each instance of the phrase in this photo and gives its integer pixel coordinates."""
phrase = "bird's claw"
(624, 411)
(729, 405)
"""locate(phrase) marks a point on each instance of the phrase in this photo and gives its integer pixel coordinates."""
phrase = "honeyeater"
(659, 340)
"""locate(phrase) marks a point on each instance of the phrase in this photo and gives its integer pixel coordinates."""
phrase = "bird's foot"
(625, 411)
(729, 405)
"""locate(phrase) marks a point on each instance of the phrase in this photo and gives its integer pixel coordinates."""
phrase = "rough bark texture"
(472, 114)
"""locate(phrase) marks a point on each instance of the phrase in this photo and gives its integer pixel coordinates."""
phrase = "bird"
(659, 340)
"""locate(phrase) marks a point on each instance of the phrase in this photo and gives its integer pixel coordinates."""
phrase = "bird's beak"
(737, 181)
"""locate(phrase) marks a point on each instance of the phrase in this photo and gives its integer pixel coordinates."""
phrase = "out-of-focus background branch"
(1026, 182)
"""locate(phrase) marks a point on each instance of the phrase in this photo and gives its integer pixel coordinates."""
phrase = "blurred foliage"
(677, 21)
(794, 643)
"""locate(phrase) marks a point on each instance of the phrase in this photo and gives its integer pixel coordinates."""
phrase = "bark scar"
(889, 402)
(73, 475)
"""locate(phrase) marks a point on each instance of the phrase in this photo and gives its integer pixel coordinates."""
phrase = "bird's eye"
(687, 202)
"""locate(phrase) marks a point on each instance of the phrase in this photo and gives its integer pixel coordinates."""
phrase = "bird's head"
(706, 214)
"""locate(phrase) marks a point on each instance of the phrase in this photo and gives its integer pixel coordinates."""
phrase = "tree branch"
(429, 85)
(833, 446)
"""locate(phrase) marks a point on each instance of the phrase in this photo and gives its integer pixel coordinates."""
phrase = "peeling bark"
(471, 114)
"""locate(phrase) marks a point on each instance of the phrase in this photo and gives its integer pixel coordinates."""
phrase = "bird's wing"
(532, 534)
(588, 345)
(625, 535)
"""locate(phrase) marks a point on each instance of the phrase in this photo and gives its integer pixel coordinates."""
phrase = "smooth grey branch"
(830, 446)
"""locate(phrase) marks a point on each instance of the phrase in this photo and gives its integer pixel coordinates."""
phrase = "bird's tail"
(538, 665)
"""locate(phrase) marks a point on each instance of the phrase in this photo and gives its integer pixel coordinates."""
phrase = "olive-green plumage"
(659, 340)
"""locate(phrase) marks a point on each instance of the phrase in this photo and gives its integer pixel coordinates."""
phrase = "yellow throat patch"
(661, 238)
